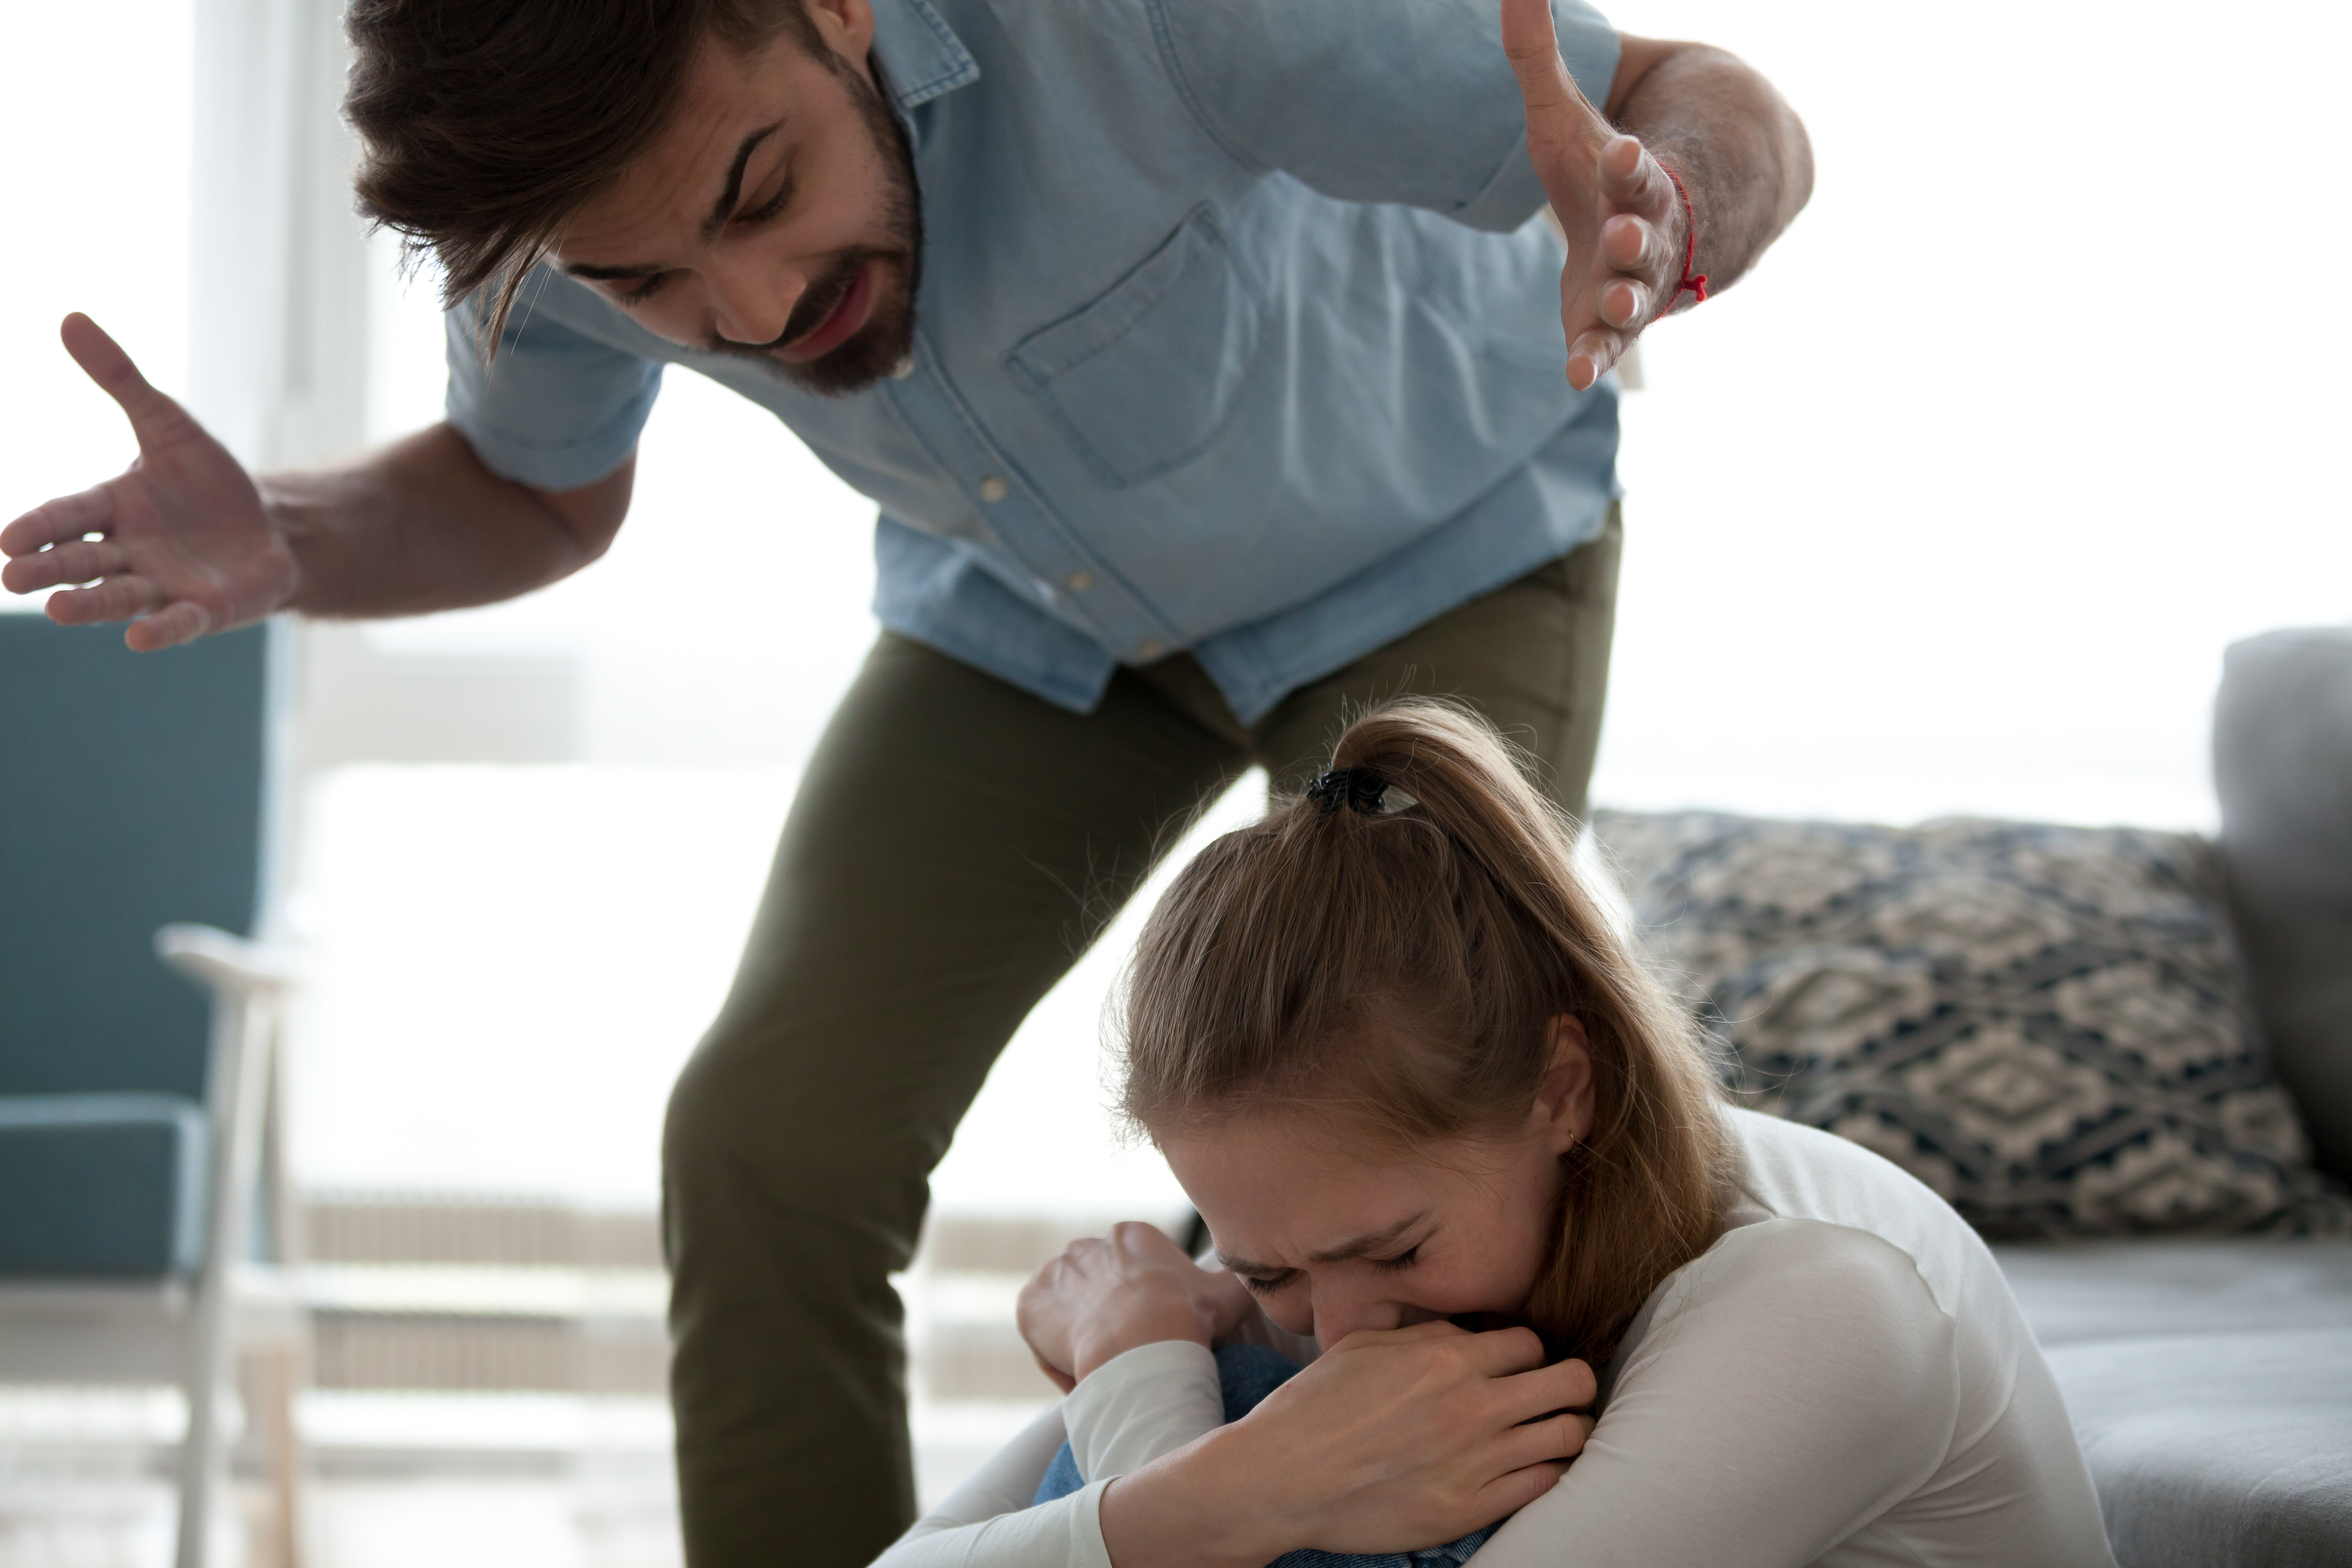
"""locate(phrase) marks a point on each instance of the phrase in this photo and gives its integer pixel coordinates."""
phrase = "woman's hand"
(1393, 1440)
(1107, 1296)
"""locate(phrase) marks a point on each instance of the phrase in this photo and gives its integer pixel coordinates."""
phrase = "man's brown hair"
(484, 125)
(1394, 973)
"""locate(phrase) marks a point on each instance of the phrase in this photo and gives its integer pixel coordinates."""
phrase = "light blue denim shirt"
(1235, 335)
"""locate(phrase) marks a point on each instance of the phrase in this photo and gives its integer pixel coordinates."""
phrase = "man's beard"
(888, 335)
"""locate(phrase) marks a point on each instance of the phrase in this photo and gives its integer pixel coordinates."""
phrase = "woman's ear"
(1563, 1109)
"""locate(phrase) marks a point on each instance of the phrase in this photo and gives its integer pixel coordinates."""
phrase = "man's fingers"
(116, 599)
(54, 522)
(1590, 357)
(76, 561)
(1629, 244)
(1630, 177)
(1625, 303)
(154, 419)
(172, 625)
(1555, 105)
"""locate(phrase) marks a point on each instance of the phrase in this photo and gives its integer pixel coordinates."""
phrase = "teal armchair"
(138, 804)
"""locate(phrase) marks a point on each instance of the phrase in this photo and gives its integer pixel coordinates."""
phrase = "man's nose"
(747, 306)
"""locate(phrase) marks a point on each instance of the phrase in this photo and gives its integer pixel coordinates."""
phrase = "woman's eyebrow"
(1354, 1247)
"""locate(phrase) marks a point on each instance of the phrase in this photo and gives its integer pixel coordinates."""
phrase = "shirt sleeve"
(1794, 1384)
(1375, 102)
(556, 409)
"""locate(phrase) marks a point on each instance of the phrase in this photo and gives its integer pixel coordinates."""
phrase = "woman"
(1447, 1132)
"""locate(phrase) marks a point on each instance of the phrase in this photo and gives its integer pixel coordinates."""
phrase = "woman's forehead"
(1279, 1189)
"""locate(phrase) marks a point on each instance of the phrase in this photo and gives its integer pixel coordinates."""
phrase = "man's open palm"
(183, 547)
(1626, 224)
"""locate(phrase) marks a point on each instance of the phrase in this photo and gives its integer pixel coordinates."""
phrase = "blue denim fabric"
(1235, 336)
(1246, 1374)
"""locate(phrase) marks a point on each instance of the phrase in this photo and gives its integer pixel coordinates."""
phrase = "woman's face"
(1333, 1235)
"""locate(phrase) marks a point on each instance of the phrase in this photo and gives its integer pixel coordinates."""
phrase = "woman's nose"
(1340, 1312)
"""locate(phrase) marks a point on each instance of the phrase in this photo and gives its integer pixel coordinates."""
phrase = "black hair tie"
(1358, 787)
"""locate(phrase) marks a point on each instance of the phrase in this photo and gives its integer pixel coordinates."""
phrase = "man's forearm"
(421, 525)
(1739, 148)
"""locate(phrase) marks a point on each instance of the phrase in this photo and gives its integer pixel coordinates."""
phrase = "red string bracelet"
(1689, 285)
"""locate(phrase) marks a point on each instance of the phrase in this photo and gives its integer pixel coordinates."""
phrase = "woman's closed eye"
(1400, 1263)
(1267, 1284)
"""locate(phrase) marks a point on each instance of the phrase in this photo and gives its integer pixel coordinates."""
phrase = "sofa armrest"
(2282, 769)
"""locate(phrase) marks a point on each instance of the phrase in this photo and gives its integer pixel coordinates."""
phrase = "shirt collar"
(921, 56)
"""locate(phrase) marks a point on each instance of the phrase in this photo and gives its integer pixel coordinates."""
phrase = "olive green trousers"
(953, 845)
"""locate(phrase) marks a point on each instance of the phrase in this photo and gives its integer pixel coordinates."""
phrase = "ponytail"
(1387, 949)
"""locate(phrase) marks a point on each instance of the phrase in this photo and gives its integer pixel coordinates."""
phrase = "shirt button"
(1148, 651)
(1078, 582)
(903, 369)
(992, 489)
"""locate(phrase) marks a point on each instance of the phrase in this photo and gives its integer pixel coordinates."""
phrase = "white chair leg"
(243, 1013)
(271, 1382)
(202, 1465)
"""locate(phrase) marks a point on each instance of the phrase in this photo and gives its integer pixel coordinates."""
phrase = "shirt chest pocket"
(1143, 379)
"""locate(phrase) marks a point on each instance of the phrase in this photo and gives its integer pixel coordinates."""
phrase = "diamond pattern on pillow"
(2043, 1024)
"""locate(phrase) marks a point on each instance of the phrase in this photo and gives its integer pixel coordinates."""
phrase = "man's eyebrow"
(724, 208)
(608, 274)
(1354, 1247)
(719, 212)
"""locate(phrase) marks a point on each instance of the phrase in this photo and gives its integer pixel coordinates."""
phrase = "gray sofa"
(2125, 1057)
(2210, 1384)
(2210, 1380)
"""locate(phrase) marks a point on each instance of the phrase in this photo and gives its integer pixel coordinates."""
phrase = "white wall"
(1955, 503)
(95, 187)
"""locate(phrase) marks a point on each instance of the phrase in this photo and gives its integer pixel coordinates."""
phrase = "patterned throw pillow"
(2043, 1024)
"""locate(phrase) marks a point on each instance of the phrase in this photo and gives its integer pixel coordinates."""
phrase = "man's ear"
(1563, 1109)
(845, 25)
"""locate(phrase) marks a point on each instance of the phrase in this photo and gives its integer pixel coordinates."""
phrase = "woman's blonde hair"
(1387, 951)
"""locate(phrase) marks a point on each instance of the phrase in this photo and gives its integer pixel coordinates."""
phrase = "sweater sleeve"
(987, 1522)
(1129, 1412)
(1149, 1401)
(1792, 1385)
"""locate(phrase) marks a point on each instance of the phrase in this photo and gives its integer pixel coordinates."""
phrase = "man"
(1204, 360)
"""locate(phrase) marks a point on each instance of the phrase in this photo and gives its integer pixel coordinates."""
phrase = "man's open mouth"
(842, 322)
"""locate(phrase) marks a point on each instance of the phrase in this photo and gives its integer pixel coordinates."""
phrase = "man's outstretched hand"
(1625, 225)
(183, 547)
